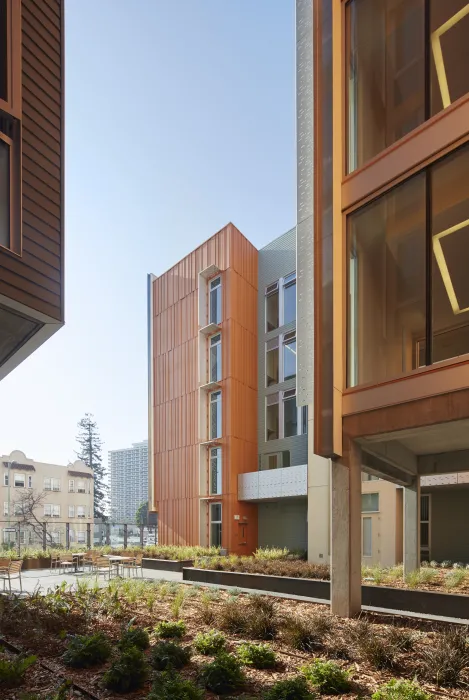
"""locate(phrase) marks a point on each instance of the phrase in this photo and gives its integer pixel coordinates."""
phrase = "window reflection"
(289, 359)
(449, 29)
(290, 417)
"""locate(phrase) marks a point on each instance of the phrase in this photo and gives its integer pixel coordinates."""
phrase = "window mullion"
(428, 270)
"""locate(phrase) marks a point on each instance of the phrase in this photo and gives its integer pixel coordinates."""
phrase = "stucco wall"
(283, 523)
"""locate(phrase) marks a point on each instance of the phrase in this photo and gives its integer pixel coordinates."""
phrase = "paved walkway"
(43, 580)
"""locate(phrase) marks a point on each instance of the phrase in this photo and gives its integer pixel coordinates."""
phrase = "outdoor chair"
(66, 562)
(13, 571)
(90, 558)
(4, 564)
(54, 562)
(133, 566)
(106, 566)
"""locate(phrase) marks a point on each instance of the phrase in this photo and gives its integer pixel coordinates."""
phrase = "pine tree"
(90, 453)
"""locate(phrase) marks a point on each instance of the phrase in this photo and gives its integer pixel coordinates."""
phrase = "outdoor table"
(118, 558)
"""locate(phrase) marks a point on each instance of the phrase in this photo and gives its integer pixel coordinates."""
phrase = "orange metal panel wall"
(176, 395)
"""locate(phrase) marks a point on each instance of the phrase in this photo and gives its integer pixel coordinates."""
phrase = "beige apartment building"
(45, 503)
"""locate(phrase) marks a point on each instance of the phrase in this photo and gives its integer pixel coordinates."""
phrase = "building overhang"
(273, 484)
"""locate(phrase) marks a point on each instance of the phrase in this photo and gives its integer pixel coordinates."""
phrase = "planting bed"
(374, 650)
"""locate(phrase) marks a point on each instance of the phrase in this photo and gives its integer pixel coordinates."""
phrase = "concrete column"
(319, 485)
(411, 527)
(346, 535)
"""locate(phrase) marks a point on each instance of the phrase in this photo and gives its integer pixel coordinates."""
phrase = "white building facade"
(129, 481)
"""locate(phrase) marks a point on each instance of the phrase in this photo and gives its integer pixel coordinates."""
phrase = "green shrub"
(166, 655)
(261, 617)
(447, 657)
(309, 634)
(210, 643)
(271, 553)
(170, 629)
(12, 670)
(135, 637)
(290, 689)
(232, 617)
(128, 672)
(377, 650)
(327, 677)
(256, 655)
(171, 686)
(400, 639)
(85, 651)
(223, 675)
(400, 690)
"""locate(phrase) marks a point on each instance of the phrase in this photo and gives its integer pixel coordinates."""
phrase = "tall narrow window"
(3, 52)
(290, 414)
(215, 415)
(215, 300)
(215, 358)
(271, 362)
(4, 193)
(367, 547)
(71, 511)
(289, 298)
(271, 307)
(215, 524)
(289, 356)
(215, 471)
(425, 525)
(304, 420)
(272, 417)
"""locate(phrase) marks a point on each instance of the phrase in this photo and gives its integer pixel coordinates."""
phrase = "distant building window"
(215, 358)
(81, 537)
(215, 301)
(271, 307)
(71, 511)
(81, 512)
(20, 481)
(367, 546)
(271, 362)
(289, 298)
(30, 482)
(51, 484)
(215, 524)
(215, 471)
(71, 485)
(81, 487)
(5, 479)
(369, 477)
(215, 415)
(51, 510)
(370, 502)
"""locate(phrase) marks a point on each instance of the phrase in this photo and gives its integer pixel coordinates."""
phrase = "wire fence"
(69, 535)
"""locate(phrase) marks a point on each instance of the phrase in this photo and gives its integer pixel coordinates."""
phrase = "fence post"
(141, 536)
(108, 534)
(44, 536)
(88, 535)
(67, 535)
(125, 535)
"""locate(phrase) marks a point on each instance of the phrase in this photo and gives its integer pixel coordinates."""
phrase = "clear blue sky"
(180, 117)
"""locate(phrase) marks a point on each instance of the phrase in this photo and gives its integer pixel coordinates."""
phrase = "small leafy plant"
(134, 637)
(85, 651)
(223, 675)
(171, 686)
(12, 670)
(256, 655)
(290, 689)
(128, 672)
(400, 690)
(327, 677)
(170, 629)
(167, 654)
(210, 643)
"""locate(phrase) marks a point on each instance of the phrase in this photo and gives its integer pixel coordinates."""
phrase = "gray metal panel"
(276, 260)
(283, 524)
(305, 200)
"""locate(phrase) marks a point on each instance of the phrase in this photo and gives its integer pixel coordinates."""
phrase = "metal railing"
(50, 534)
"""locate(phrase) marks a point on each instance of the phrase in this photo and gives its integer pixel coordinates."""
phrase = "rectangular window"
(370, 502)
(215, 415)
(272, 461)
(51, 484)
(3, 51)
(271, 307)
(20, 480)
(425, 521)
(81, 512)
(272, 417)
(304, 420)
(5, 479)
(71, 486)
(4, 193)
(81, 488)
(290, 414)
(289, 298)
(30, 482)
(215, 358)
(81, 537)
(271, 362)
(367, 547)
(369, 477)
(289, 356)
(215, 524)
(215, 471)
(71, 511)
(51, 510)
(215, 301)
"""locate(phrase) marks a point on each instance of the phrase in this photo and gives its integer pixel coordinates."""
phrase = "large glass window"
(4, 194)
(289, 298)
(389, 329)
(215, 415)
(215, 358)
(215, 524)
(271, 362)
(215, 301)
(271, 307)
(215, 471)
(3, 51)
(272, 418)
(397, 74)
(290, 415)
(289, 356)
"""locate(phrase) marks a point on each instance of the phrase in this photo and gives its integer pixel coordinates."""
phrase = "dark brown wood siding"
(35, 278)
